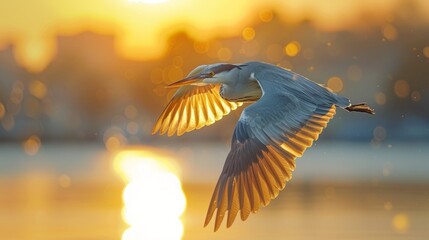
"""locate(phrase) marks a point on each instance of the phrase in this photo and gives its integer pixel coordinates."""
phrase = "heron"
(286, 114)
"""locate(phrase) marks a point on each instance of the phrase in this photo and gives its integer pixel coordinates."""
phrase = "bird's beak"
(189, 80)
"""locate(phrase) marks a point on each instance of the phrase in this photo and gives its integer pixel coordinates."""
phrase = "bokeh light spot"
(388, 206)
(2, 110)
(38, 89)
(35, 52)
(114, 137)
(266, 15)
(8, 122)
(292, 49)
(389, 32)
(379, 133)
(248, 33)
(380, 98)
(130, 112)
(402, 88)
(17, 93)
(416, 96)
(132, 128)
(31, 145)
(113, 143)
(400, 223)
(201, 47)
(335, 83)
(426, 51)
(224, 54)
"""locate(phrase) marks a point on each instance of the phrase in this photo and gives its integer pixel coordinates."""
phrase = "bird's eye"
(212, 74)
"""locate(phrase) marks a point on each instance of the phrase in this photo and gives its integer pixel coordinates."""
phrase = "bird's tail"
(360, 107)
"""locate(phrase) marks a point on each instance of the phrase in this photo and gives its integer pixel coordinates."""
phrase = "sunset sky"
(141, 27)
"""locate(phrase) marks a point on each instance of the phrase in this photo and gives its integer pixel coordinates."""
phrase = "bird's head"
(207, 74)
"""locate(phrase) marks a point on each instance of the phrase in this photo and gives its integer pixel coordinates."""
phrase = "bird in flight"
(287, 114)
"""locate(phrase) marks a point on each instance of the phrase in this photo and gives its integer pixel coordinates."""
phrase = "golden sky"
(141, 27)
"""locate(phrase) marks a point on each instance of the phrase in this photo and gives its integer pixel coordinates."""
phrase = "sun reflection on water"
(153, 197)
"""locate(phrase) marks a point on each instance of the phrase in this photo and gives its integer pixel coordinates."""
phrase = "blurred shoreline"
(203, 160)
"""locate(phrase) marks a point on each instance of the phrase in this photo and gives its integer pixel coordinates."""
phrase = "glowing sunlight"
(153, 198)
(142, 27)
(148, 1)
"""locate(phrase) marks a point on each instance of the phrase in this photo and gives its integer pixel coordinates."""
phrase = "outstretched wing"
(268, 137)
(193, 107)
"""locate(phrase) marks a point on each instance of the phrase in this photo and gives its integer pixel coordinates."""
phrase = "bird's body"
(289, 113)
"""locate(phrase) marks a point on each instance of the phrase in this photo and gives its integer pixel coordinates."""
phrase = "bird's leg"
(360, 107)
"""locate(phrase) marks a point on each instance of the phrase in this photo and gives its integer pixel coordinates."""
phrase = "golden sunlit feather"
(261, 181)
(193, 107)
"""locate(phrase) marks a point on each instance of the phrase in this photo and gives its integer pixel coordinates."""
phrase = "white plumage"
(288, 115)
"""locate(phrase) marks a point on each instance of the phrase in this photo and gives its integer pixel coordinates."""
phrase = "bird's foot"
(360, 107)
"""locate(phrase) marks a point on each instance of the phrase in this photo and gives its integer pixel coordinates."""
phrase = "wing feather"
(172, 127)
(268, 138)
(222, 202)
(234, 203)
(260, 184)
(184, 120)
(193, 107)
(245, 205)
